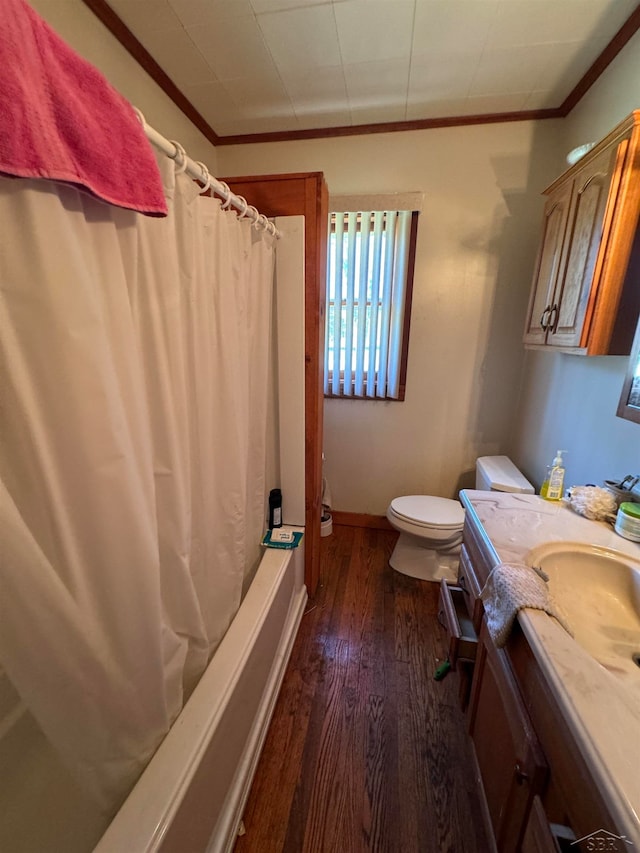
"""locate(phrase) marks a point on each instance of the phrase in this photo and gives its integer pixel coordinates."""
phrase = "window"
(369, 283)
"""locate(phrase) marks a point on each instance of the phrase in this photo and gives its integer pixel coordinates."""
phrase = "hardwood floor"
(366, 751)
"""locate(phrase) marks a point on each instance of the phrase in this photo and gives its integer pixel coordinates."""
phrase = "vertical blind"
(366, 292)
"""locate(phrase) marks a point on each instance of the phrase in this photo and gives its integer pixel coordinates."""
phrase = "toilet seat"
(426, 511)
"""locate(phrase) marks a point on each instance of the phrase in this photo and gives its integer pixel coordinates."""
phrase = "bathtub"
(192, 794)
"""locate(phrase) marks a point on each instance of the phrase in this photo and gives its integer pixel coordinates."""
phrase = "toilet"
(431, 528)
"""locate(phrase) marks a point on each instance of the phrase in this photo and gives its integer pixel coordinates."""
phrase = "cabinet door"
(556, 213)
(541, 836)
(593, 195)
(537, 836)
(510, 761)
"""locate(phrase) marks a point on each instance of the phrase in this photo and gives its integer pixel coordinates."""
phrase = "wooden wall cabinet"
(584, 297)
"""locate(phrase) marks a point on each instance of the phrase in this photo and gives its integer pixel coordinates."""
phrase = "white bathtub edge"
(239, 793)
(147, 815)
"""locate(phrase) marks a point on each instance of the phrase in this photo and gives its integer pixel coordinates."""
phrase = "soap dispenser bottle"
(555, 483)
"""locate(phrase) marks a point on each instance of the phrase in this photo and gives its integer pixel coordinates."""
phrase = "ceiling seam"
(268, 49)
(481, 56)
(413, 32)
(344, 76)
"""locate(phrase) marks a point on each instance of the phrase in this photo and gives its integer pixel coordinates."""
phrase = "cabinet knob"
(553, 319)
(521, 775)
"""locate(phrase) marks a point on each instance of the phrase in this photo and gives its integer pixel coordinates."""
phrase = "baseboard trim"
(361, 519)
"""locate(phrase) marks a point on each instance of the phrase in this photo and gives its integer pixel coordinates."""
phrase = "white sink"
(598, 591)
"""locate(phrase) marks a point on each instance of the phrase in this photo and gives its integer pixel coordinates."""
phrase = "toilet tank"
(499, 474)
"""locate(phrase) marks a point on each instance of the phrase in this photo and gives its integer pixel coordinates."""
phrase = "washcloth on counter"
(61, 120)
(509, 588)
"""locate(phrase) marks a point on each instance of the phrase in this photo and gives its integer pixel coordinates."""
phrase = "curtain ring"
(244, 206)
(226, 191)
(253, 214)
(180, 157)
(262, 223)
(267, 225)
(139, 116)
(206, 177)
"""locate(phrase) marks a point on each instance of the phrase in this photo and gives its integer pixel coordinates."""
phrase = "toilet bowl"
(430, 536)
(431, 527)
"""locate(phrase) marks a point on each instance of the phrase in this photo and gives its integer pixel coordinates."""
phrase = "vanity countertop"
(601, 709)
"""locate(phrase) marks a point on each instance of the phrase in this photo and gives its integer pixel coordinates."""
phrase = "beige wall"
(80, 28)
(476, 246)
(569, 401)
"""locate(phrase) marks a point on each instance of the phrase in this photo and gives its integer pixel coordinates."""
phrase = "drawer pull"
(520, 774)
(544, 325)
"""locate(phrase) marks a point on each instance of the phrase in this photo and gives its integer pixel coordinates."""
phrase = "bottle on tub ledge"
(553, 486)
(275, 508)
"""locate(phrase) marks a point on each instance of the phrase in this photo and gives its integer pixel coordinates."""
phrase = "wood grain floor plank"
(376, 771)
(366, 753)
(271, 810)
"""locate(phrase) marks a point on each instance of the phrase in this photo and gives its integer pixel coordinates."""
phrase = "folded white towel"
(509, 588)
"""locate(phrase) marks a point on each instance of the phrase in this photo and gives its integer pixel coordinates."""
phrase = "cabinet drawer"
(452, 614)
(471, 589)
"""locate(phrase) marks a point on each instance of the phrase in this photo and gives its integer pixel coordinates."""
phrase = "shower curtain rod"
(200, 173)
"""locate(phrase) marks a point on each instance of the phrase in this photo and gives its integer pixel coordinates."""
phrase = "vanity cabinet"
(572, 803)
(584, 297)
(538, 793)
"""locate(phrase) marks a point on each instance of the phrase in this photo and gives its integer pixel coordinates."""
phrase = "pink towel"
(60, 119)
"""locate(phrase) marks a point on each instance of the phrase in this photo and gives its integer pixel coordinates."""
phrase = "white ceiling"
(254, 66)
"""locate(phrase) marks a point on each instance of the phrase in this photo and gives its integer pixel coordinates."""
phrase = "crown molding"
(123, 34)
(624, 34)
(388, 127)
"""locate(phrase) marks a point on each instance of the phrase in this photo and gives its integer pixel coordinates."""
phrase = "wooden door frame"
(304, 194)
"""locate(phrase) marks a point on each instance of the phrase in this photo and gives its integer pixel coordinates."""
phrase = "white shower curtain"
(133, 384)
